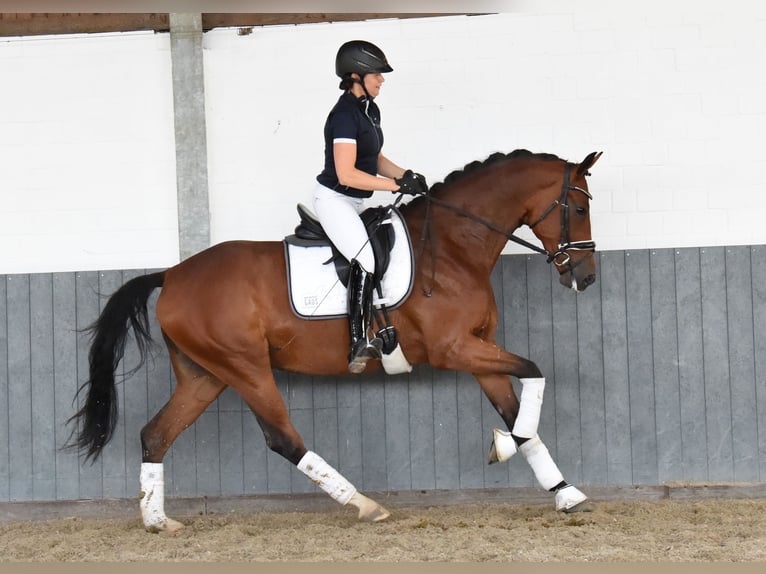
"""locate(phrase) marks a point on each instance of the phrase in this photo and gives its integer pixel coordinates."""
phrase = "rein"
(564, 243)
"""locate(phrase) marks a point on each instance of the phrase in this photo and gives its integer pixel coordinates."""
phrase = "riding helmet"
(360, 57)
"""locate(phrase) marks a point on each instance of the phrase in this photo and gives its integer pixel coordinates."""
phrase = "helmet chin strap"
(364, 88)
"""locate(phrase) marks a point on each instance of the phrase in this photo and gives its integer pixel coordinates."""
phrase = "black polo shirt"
(356, 120)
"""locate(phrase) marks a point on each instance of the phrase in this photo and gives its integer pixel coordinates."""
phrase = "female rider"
(354, 167)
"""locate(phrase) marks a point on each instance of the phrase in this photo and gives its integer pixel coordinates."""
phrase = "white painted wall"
(87, 153)
(675, 97)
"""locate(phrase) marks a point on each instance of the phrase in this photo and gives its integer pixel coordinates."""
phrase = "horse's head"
(560, 218)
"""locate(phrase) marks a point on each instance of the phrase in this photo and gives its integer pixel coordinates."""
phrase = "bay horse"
(226, 319)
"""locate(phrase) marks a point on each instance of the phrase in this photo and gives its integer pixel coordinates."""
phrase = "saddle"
(315, 289)
(309, 233)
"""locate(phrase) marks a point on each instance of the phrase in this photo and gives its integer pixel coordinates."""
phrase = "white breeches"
(339, 216)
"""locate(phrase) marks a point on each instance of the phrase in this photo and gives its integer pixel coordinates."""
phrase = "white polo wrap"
(538, 457)
(530, 406)
(152, 494)
(326, 477)
(395, 362)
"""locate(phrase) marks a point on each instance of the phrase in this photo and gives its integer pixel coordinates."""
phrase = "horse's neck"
(467, 242)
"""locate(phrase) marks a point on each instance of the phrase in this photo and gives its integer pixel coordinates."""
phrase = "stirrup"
(362, 352)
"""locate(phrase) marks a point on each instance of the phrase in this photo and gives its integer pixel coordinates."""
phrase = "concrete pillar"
(190, 134)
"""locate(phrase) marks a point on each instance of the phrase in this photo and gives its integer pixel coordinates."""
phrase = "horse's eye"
(581, 211)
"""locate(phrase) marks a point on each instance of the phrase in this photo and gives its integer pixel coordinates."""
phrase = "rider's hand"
(412, 183)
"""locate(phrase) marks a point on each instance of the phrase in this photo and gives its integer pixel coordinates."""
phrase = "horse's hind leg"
(195, 390)
(263, 398)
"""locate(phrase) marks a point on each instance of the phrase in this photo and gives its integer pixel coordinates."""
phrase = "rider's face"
(373, 82)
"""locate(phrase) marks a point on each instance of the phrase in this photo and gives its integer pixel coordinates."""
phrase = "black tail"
(126, 308)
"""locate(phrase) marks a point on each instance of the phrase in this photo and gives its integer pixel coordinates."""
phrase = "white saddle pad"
(317, 293)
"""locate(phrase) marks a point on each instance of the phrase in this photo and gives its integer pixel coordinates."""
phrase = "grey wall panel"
(564, 383)
(744, 420)
(691, 364)
(758, 274)
(640, 368)
(656, 373)
(590, 355)
(397, 434)
(20, 429)
(667, 400)
(446, 429)
(616, 390)
(65, 382)
(5, 381)
(231, 451)
(350, 429)
(716, 363)
(471, 439)
(374, 456)
(422, 428)
(41, 371)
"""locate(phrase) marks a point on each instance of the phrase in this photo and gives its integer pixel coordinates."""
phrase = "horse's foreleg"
(522, 419)
(195, 390)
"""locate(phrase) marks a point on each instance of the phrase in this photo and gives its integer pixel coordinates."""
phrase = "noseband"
(565, 244)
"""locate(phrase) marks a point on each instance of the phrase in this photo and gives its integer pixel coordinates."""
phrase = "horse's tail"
(126, 308)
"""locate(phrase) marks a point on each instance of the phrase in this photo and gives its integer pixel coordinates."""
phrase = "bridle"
(565, 244)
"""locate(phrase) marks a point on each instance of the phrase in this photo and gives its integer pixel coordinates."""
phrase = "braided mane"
(496, 157)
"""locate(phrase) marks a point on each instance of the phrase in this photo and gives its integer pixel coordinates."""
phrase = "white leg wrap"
(529, 408)
(538, 457)
(152, 495)
(504, 445)
(326, 477)
(396, 363)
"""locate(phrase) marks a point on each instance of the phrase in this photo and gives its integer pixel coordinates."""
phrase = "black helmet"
(360, 57)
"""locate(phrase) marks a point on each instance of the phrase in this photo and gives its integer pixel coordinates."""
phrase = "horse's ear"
(588, 162)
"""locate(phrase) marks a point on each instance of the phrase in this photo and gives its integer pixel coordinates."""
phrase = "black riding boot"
(359, 318)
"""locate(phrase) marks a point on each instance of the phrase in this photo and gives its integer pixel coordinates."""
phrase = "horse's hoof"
(168, 525)
(503, 447)
(569, 498)
(584, 506)
(369, 510)
(377, 514)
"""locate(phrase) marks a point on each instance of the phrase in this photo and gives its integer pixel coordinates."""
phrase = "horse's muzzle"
(580, 273)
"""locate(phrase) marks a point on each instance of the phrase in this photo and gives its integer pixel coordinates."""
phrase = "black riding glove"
(412, 183)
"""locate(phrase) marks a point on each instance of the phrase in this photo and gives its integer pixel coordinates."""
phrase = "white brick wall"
(87, 158)
(674, 95)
